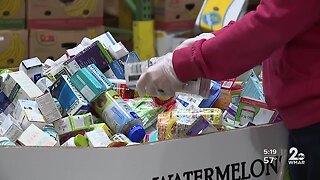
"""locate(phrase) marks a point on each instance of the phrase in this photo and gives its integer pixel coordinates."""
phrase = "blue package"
(252, 87)
(87, 84)
(93, 54)
(4, 102)
(70, 99)
(100, 76)
(215, 92)
(117, 66)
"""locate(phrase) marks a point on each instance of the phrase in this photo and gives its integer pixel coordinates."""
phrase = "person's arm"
(247, 42)
(220, 31)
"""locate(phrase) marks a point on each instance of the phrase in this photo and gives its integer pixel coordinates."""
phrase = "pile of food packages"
(87, 98)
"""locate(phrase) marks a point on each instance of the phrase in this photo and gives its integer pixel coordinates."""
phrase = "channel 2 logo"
(296, 157)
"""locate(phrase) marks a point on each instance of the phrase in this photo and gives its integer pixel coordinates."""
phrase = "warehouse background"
(46, 28)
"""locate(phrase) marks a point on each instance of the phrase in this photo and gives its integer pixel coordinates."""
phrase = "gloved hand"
(160, 79)
(190, 41)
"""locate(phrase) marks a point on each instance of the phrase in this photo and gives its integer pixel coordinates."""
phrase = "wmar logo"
(296, 157)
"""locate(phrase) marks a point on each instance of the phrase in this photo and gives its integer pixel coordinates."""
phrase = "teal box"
(88, 85)
(94, 70)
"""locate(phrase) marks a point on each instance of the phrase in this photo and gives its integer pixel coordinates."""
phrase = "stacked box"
(53, 43)
(13, 47)
(176, 15)
(12, 14)
(52, 14)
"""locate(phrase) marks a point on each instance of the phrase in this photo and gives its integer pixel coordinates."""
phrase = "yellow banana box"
(53, 44)
(13, 47)
(215, 14)
(12, 14)
(171, 15)
(64, 14)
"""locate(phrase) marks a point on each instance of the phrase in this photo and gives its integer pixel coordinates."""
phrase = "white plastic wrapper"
(134, 70)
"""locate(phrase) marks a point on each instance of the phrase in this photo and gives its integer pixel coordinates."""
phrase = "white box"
(33, 68)
(98, 138)
(19, 86)
(48, 108)
(239, 153)
(10, 129)
(33, 136)
(27, 113)
(73, 123)
(254, 111)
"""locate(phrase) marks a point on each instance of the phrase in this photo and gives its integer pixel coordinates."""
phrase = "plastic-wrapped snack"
(182, 123)
(146, 110)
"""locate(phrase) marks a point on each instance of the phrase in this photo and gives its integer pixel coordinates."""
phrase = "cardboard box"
(52, 14)
(33, 136)
(13, 14)
(5, 104)
(73, 123)
(13, 47)
(93, 54)
(19, 86)
(27, 113)
(69, 97)
(48, 108)
(254, 111)
(111, 7)
(10, 128)
(176, 14)
(87, 84)
(33, 68)
(236, 154)
(53, 44)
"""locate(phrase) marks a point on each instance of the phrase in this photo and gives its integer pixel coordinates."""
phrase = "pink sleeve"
(216, 33)
(248, 42)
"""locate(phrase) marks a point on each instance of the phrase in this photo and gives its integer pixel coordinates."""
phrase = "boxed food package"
(52, 44)
(52, 14)
(12, 14)
(176, 14)
(93, 54)
(6, 106)
(86, 83)
(69, 97)
(254, 111)
(32, 67)
(73, 123)
(9, 128)
(13, 47)
(19, 86)
(33, 136)
(27, 112)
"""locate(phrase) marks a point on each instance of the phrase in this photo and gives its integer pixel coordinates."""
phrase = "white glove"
(186, 43)
(190, 41)
(160, 79)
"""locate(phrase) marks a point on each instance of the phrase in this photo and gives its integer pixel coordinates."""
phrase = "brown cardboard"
(13, 14)
(54, 43)
(176, 14)
(13, 47)
(111, 7)
(64, 14)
